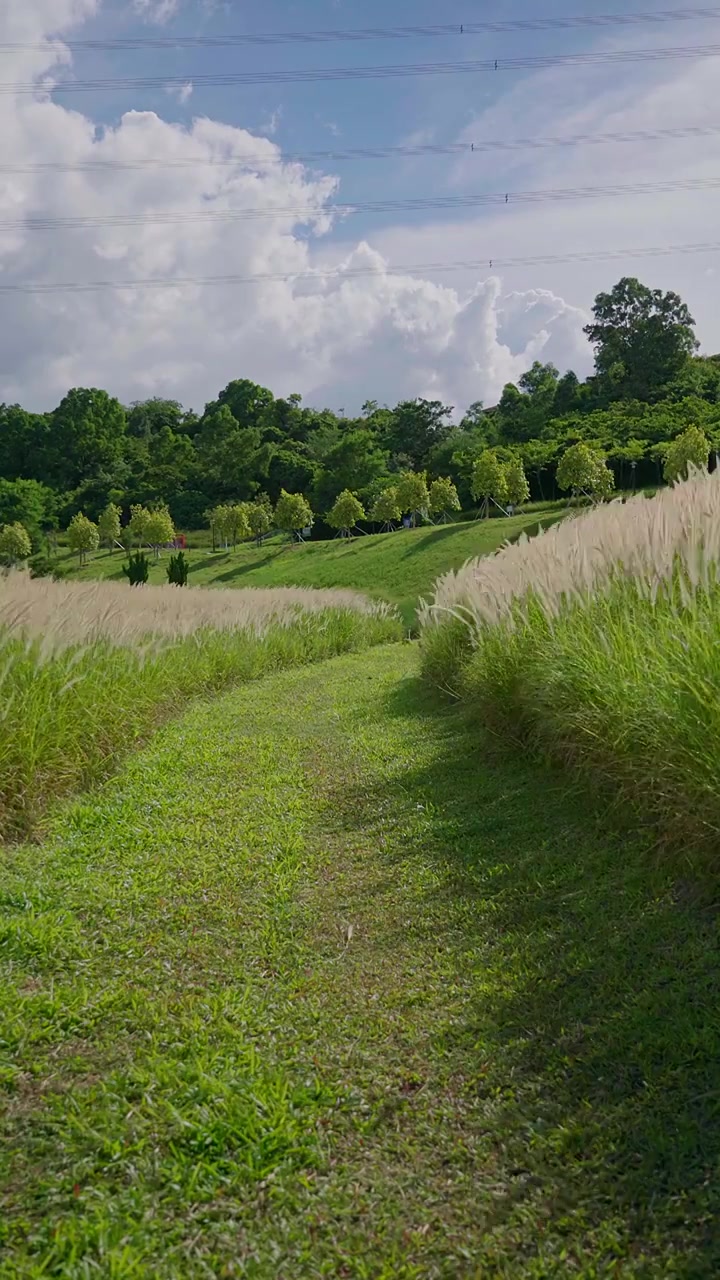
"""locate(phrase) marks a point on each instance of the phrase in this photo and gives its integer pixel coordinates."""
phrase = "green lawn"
(398, 567)
(317, 988)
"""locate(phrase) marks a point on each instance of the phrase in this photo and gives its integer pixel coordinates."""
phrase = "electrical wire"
(276, 157)
(319, 275)
(501, 26)
(235, 79)
(310, 213)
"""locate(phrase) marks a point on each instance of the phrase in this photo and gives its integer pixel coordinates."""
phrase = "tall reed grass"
(88, 669)
(597, 645)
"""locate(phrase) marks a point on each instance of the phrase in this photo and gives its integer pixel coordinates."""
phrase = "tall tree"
(87, 434)
(413, 428)
(643, 338)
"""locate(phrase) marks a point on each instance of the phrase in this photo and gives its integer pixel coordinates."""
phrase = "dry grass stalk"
(67, 613)
(577, 558)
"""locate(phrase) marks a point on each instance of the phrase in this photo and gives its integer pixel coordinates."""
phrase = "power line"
(319, 275)
(231, 79)
(308, 213)
(506, 25)
(375, 153)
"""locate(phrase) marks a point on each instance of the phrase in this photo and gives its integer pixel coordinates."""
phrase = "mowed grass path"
(315, 989)
(398, 567)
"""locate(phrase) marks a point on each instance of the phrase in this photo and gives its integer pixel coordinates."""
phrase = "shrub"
(177, 570)
(137, 569)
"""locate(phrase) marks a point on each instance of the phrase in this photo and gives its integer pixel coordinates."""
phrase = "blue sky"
(457, 335)
(322, 116)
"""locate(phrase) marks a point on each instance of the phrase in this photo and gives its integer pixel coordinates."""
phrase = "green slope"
(398, 567)
(316, 989)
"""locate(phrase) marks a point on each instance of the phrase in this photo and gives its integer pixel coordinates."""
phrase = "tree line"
(249, 450)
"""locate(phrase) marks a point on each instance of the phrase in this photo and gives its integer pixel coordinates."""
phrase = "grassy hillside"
(317, 988)
(397, 567)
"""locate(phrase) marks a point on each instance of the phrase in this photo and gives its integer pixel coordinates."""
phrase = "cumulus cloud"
(367, 330)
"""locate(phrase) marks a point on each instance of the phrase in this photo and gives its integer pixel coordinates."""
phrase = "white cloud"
(182, 92)
(159, 11)
(456, 337)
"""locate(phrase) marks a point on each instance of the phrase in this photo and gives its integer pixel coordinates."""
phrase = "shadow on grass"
(240, 570)
(592, 1026)
(432, 537)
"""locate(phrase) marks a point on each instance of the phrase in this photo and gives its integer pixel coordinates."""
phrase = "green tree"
(259, 517)
(29, 503)
(537, 456)
(82, 536)
(643, 338)
(443, 498)
(230, 522)
(583, 471)
(346, 512)
(413, 428)
(386, 509)
(691, 449)
(86, 438)
(138, 526)
(159, 529)
(109, 526)
(292, 514)
(518, 489)
(354, 461)
(489, 482)
(15, 543)
(412, 494)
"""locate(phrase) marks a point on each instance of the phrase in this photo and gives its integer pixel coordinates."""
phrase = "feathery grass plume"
(596, 645)
(89, 669)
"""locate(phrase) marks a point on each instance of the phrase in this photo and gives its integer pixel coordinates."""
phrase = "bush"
(177, 570)
(137, 569)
